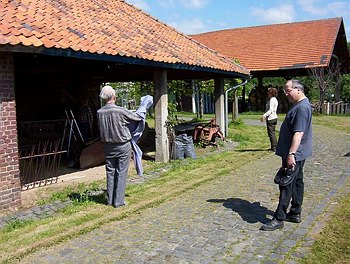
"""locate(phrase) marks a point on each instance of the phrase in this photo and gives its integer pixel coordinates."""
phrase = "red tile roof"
(110, 27)
(279, 46)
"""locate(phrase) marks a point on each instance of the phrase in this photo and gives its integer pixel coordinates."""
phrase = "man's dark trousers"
(294, 191)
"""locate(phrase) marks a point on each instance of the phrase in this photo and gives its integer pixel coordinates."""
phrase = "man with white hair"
(113, 122)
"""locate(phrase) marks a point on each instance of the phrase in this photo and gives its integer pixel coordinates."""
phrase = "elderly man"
(114, 122)
(294, 146)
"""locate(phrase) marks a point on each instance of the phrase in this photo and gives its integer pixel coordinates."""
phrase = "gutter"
(226, 103)
(70, 53)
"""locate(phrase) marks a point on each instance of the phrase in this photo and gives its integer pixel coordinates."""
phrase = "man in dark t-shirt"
(294, 146)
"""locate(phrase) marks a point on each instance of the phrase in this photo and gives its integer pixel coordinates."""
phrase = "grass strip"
(332, 244)
(82, 219)
(25, 238)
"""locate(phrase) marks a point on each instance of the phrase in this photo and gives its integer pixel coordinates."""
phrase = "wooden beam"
(161, 116)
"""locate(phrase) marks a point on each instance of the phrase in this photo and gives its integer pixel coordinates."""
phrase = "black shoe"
(272, 225)
(294, 218)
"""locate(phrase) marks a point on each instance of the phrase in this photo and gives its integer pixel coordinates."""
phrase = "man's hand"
(291, 161)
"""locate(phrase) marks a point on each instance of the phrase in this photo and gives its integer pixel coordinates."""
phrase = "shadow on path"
(250, 212)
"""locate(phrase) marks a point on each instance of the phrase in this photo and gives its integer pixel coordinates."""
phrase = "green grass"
(332, 245)
(247, 138)
(14, 224)
(84, 215)
(340, 122)
(20, 238)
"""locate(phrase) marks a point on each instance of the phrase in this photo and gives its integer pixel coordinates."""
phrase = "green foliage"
(171, 109)
(240, 138)
(78, 193)
(126, 91)
(229, 83)
(172, 119)
(345, 91)
(237, 123)
(338, 122)
(197, 119)
(180, 88)
(206, 86)
(311, 88)
(251, 84)
(84, 193)
(253, 114)
(248, 137)
(57, 196)
(277, 82)
(332, 245)
(25, 237)
(177, 88)
(14, 224)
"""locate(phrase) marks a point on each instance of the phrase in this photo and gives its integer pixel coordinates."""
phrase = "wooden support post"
(261, 95)
(161, 116)
(220, 104)
(235, 105)
(244, 106)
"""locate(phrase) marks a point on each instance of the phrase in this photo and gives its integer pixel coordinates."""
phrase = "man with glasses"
(294, 146)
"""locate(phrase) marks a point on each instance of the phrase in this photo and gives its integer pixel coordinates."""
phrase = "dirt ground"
(71, 177)
(68, 177)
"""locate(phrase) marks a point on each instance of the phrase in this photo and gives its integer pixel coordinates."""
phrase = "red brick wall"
(10, 188)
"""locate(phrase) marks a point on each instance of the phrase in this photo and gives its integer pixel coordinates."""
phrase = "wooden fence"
(335, 108)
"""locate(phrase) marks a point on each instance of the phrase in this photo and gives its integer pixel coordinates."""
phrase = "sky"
(197, 16)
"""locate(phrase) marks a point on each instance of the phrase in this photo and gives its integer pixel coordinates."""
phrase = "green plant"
(332, 245)
(80, 217)
(170, 181)
(14, 224)
(238, 122)
(238, 137)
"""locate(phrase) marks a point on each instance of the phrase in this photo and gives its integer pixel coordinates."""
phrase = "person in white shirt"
(271, 116)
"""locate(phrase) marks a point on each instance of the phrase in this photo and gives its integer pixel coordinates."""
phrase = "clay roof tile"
(112, 27)
(277, 46)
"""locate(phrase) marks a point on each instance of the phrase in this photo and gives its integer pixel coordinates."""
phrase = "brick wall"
(10, 189)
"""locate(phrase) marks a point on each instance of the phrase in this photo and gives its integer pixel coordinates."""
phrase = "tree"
(229, 84)
(326, 78)
(345, 91)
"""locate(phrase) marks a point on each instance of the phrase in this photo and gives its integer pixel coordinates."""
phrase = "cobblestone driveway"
(219, 222)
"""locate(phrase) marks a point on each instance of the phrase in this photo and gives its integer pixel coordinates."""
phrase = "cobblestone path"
(219, 222)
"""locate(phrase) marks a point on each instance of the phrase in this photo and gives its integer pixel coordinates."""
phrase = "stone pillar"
(10, 186)
(219, 93)
(161, 116)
